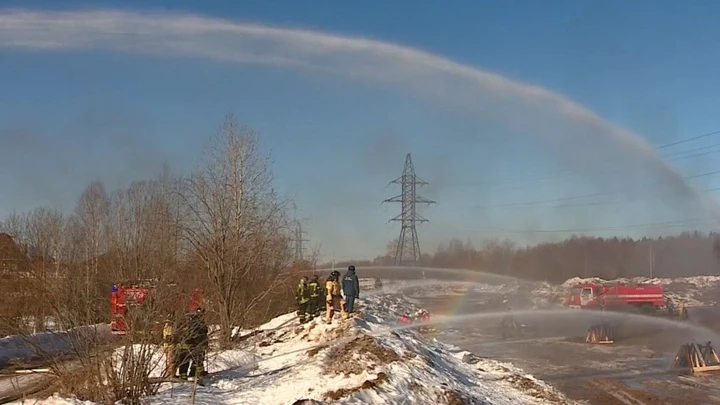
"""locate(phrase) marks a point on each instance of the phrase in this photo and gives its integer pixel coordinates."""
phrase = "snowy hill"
(360, 361)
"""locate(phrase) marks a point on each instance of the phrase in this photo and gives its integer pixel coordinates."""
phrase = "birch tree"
(92, 213)
(236, 225)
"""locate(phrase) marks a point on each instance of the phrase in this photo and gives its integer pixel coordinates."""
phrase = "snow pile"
(693, 291)
(698, 281)
(217, 361)
(545, 295)
(21, 349)
(424, 288)
(359, 361)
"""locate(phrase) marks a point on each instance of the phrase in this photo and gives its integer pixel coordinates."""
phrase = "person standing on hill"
(303, 298)
(333, 297)
(314, 292)
(351, 288)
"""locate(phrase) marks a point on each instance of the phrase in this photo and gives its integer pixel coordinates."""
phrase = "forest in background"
(682, 255)
(221, 228)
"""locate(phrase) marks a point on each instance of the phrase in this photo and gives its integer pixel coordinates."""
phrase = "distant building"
(13, 261)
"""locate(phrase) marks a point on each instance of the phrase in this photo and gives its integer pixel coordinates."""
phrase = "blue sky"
(70, 116)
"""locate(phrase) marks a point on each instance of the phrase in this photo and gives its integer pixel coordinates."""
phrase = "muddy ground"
(632, 371)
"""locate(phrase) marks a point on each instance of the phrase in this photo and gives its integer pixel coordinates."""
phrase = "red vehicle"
(125, 299)
(617, 297)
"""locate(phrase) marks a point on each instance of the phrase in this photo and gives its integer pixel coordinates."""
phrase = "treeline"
(686, 254)
(222, 228)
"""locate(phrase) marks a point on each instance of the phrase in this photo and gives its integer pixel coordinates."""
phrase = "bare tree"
(92, 212)
(236, 224)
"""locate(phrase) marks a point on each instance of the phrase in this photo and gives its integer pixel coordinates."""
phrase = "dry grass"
(534, 389)
(343, 358)
(344, 392)
(315, 350)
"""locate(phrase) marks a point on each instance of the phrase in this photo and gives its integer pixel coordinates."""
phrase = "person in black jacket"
(181, 340)
(198, 342)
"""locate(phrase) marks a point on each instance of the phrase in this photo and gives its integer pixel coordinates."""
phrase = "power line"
(601, 203)
(559, 172)
(596, 194)
(610, 228)
(694, 138)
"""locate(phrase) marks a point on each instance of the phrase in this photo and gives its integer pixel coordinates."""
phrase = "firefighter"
(198, 342)
(508, 325)
(333, 299)
(168, 347)
(424, 317)
(351, 289)
(682, 311)
(314, 291)
(181, 345)
(670, 306)
(302, 296)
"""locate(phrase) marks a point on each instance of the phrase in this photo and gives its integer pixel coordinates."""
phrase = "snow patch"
(20, 349)
(357, 361)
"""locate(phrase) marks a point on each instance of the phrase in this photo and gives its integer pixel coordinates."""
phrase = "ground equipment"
(697, 358)
(602, 333)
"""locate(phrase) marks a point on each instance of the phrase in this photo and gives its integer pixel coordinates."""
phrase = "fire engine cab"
(616, 296)
(127, 299)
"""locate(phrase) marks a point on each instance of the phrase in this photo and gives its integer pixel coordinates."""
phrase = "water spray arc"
(408, 247)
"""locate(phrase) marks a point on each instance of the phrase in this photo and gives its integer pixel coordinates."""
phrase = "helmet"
(314, 277)
(303, 279)
(335, 273)
(351, 268)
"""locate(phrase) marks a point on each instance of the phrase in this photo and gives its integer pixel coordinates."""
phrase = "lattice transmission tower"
(408, 247)
(299, 246)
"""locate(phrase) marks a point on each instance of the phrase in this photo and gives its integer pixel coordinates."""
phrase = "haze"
(529, 123)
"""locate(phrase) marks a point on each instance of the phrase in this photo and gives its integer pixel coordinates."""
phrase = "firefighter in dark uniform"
(302, 297)
(181, 344)
(198, 342)
(314, 292)
(508, 325)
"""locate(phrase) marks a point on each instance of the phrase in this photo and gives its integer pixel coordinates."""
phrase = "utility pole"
(408, 247)
(651, 259)
(299, 248)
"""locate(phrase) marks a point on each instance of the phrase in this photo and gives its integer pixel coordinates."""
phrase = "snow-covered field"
(360, 361)
(693, 291)
(365, 360)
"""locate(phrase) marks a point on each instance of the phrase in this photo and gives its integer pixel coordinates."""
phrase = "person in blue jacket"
(351, 288)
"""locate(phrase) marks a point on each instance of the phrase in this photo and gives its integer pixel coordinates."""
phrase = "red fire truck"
(647, 298)
(127, 298)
